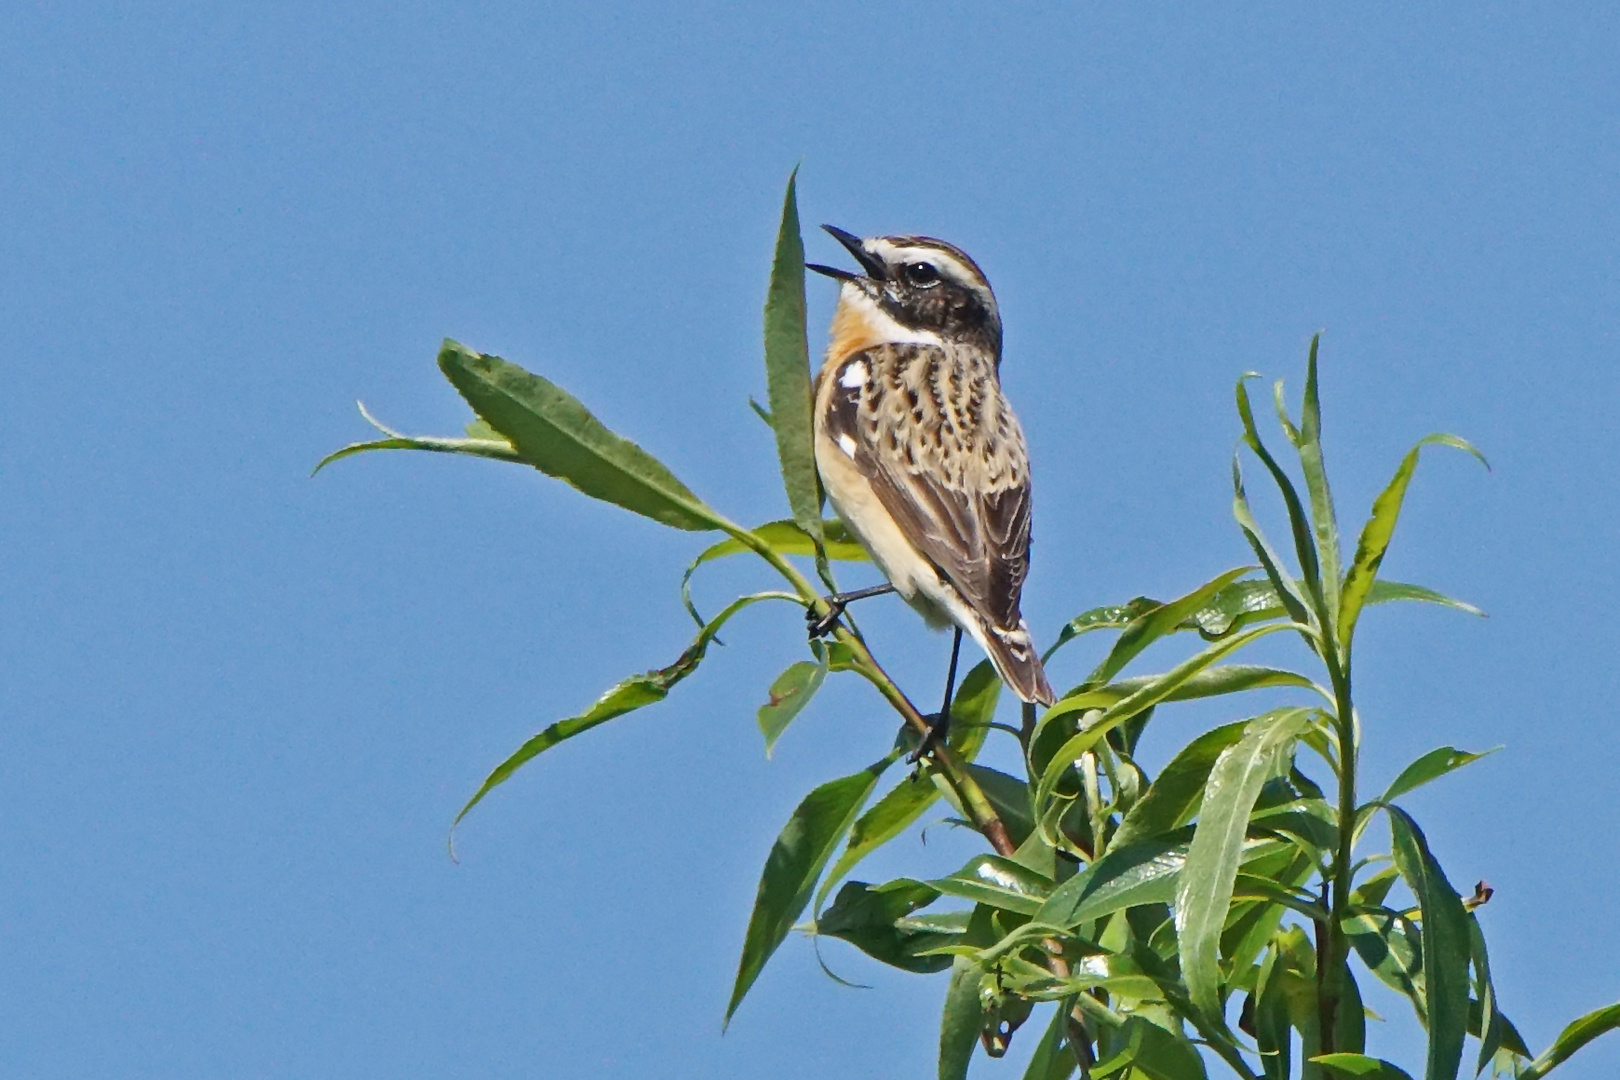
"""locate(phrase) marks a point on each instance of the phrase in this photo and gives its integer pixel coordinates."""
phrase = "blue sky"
(240, 707)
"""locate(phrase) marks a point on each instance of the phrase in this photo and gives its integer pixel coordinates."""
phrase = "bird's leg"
(836, 603)
(939, 724)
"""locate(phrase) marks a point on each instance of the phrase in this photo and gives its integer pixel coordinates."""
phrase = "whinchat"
(919, 450)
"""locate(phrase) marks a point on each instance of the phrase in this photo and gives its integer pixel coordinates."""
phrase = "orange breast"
(852, 331)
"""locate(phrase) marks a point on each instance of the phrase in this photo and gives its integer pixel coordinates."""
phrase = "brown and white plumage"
(920, 452)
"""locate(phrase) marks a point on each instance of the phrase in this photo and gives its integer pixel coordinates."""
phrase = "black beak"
(852, 243)
(832, 272)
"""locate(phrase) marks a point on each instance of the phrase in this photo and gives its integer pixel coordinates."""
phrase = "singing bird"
(920, 452)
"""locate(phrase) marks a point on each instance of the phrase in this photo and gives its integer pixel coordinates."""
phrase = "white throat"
(881, 322)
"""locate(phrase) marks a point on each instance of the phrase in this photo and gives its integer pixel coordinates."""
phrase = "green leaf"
(1380, 527)
(1151, 1052)
(1052, 1059)
(1245, 602)
(1009, 797)
(1389, 944)
(789, 694)
(1210, 682)
(1360, 1067)
(631, 694)
(1111, 617)
(1270, 1021)
(1431, 766)
(1572, 1038)
(800, 853)
(873, 918)
(1295, 975)
(1149, 627)
(784, 537)
(960, 1020)
(971, 712)
(787, 369)
(1324, 523)
(1158, 689)
(1445, 944)
(1299, 525)
(997, 882)
(1490, 1026)
(559, 436)
(965, 1014)
(1205, 890)
(490, 445)
(1143, 873)
(1174, 795)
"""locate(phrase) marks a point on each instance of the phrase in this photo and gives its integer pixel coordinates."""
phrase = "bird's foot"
(820, 626)
(939, 725)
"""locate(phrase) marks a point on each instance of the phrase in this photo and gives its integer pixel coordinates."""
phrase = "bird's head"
(924, 285)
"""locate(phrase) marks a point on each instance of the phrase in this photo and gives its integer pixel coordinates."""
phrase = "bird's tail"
(1017, 662)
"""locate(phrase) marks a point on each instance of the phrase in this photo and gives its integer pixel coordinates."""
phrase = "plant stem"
(1332, 957)
(966, 789)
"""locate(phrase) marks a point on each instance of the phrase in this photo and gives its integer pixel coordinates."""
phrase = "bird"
(920, 452)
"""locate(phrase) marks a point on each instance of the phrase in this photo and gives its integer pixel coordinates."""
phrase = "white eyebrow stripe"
(949, 265)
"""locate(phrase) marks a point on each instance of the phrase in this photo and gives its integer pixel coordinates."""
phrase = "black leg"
(940, 723)
(836, 603)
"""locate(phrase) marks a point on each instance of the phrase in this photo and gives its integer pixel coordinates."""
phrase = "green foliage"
(1216, 912)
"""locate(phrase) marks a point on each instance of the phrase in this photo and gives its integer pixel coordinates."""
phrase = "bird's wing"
(929, 429)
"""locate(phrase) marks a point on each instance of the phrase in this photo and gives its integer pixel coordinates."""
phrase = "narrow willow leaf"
(998, 883)
(1295, 975)
(631, 694)
(1111, 617)
(1151, 1052)
(1052, 1059)
(1143, 873)
(1245, 602)
(1324, 522)
(1174, 795)
(795, 863)
(1150, 694)
(971, 712)
(1389, 944)
(1287, 590)
(1273, 1034)
(960, 1020)
(874, 920)
(1298, 523)
(1151, 626)
(1211, 682)
(784, 537)
(789, 694)
(1205, 890)
(1431, 766)
(1350, 1017)
(1380, 527)
(481, 441)
(1445, 944)
(1491, 1025)
(787, 368)
(1572, 1038)
(1360, 1067)
(559, 436)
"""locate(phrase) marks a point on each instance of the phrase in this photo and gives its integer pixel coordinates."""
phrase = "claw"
(821, 626)
(939, 725)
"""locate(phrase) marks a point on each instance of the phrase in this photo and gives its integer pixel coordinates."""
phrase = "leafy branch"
(1215, 912)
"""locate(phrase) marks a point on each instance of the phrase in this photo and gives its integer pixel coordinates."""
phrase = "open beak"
(870, 263)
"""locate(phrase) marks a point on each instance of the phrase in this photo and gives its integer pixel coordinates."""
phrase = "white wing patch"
(854, 376)
(846, 443)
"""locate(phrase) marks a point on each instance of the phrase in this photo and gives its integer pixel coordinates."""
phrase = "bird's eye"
(922, 274)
